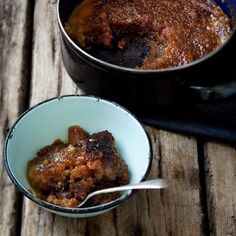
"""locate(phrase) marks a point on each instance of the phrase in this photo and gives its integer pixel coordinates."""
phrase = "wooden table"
(201, 199)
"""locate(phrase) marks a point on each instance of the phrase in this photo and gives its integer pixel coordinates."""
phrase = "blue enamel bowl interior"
(49, 120)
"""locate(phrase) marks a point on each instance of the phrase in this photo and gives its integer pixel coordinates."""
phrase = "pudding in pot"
(168, 33)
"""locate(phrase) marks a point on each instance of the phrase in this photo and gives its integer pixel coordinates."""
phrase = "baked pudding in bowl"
(48, 121)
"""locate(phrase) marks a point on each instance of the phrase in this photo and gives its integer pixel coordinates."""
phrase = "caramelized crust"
(175, 31)
(63, 174)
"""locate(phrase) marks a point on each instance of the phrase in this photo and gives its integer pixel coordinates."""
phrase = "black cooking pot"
(143, 89)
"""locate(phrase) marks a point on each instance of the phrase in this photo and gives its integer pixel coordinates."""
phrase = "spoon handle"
(149, 184)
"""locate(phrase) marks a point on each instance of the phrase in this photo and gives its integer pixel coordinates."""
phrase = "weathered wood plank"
(14, 42)
(49, 78)
(177, 210)
(220, 164)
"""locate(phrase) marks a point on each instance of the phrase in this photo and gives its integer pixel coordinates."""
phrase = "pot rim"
(122, 69)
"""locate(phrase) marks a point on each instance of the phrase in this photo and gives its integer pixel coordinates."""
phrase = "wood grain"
(220, 162)
(49, 78)
(14, 43)
(179, 211)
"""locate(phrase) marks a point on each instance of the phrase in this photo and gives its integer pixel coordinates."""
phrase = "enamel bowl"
(49, 120)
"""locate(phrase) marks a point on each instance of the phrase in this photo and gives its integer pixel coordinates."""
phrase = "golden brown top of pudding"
(175, 31)
(64, 174)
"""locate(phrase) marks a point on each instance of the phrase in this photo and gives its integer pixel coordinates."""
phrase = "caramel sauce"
(77, 22)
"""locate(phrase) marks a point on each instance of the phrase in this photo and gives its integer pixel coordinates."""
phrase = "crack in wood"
(209, 196)
(53, 44)
(6, 127)
(18, 207)
(15, 57)
(203, 191)
(114, 217)
(52, 224)
(148, 204)
(160, 175)
(59, 85)
(27, 57)
(159, 159)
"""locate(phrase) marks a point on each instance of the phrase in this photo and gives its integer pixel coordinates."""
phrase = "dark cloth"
(208, 119)
(214, 119)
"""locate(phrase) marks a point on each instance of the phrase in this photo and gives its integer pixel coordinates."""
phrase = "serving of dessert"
(65, 173)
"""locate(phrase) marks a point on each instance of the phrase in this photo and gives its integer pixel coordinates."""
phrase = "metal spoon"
(150, 184)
